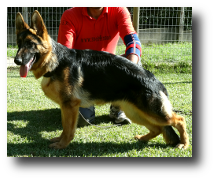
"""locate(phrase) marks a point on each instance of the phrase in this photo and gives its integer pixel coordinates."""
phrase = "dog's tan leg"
(137, 116)
(154, 131)
(180, 124)
(176, 121)
(69, 113)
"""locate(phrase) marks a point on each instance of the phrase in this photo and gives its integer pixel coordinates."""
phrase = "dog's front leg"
(69, 113)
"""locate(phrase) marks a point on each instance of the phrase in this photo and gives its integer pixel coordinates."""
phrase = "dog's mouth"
(25, 68)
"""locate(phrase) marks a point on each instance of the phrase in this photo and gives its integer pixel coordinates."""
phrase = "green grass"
(32, 120)
(169, 53)
(11, 51)
(169, 58)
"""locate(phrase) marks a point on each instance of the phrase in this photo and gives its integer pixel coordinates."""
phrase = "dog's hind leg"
(179, 123)
(158, 124)
(162, 124)
(153, 132)
(69, 112)
(136, 116)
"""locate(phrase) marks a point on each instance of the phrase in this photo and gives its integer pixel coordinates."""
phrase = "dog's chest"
(51, 89)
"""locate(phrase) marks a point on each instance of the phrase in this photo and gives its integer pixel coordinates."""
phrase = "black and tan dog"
(80, 78)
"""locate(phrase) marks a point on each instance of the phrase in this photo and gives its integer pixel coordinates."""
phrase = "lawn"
(32, 120)
(167, 53)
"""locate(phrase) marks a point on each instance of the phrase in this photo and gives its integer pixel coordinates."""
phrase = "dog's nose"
(18, 60)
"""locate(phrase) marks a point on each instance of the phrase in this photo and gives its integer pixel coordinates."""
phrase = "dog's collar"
(48, 74)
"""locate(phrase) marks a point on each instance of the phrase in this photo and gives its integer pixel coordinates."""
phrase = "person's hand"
(132, 57)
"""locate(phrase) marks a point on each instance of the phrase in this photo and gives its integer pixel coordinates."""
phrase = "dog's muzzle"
(18, 61)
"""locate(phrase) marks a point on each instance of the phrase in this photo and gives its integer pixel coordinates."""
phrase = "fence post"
(181, 24)
(136, 12)
(25, 14)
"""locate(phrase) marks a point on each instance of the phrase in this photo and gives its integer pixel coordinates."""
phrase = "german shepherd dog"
(80, 78)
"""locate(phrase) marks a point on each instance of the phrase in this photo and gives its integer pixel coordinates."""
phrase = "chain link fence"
(165, 32)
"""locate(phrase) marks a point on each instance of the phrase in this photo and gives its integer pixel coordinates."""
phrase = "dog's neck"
(54, 59)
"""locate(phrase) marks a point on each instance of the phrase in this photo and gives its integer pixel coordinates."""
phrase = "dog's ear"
(20, 23)
(37, 23)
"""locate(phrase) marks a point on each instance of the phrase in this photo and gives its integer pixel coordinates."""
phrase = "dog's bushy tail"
(170, 135)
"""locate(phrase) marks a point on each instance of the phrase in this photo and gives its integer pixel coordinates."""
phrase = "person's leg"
(118, 115)
(88, 114)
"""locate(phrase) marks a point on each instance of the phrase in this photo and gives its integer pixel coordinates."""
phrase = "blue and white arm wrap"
(133, 45)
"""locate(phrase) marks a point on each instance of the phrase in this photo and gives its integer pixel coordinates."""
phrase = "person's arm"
(133, 47)
(66, 33)
(128, 35)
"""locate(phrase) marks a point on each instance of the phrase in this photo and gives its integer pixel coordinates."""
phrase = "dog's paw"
(57, 145)
(56, 139)
(141, 138)
(137, 137)
(182, 146)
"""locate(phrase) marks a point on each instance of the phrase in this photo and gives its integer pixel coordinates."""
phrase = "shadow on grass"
(50, 120)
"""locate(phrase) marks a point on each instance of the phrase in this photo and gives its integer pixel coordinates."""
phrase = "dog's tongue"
(24, 70)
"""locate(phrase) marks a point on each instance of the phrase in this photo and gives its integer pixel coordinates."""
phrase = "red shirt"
(78, 30)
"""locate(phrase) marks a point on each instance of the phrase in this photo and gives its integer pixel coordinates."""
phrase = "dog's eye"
(29, 45)
(34, 44)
